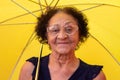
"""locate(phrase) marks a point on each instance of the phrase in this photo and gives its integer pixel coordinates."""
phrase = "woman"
(63, 29)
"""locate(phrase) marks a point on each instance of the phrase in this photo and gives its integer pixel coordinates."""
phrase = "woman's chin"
(63, 51)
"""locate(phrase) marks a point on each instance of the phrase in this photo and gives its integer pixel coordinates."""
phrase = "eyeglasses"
(69, 29)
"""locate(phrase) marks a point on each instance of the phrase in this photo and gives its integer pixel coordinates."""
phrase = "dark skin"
(62, 62)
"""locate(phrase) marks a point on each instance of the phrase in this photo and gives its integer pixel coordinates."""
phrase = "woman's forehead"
(62, 18)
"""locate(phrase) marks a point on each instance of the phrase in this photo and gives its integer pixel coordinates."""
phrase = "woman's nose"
(62, 35)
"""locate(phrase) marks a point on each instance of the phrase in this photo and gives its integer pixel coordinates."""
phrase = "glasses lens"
(71, 30)
(53, 30)
(68, 29)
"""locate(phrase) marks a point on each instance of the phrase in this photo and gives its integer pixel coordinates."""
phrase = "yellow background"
(14, 37)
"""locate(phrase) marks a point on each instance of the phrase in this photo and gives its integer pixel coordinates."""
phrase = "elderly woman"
(63, 29)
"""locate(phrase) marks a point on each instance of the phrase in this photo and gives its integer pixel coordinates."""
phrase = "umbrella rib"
(92, 7)
(37, 3)
(17, 24)
(17, 16)
(91, 4)
(46, 2)
(40, 6)
(56, 3)
(112, 5)
(51, 2)
(97, 5)
(59, 6)
(38, 66)
(23, 8)
(22, 14)
(105, 49)
(28, 42)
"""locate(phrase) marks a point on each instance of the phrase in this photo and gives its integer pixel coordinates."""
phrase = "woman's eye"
(55, 30)
(69, 30)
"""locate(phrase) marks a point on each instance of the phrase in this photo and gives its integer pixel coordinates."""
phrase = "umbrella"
(17, 21)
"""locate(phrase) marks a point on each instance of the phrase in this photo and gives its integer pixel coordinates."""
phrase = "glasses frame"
(56, 33)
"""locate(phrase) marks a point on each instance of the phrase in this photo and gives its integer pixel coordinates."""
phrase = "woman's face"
(62, 33)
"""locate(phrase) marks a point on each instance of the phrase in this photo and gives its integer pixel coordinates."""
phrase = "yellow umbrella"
(17, 21)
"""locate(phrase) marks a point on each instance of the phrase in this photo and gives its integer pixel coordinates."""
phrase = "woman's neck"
(63, 59)
(62, 66)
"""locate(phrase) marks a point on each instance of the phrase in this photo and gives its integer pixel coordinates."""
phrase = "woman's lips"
(63, 42)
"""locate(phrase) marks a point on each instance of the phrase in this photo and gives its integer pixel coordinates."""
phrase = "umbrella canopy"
(18, 41)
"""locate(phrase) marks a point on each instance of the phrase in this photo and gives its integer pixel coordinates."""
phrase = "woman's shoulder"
(90, 70)
(26, 69)
(34, 60)
(90, 66)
